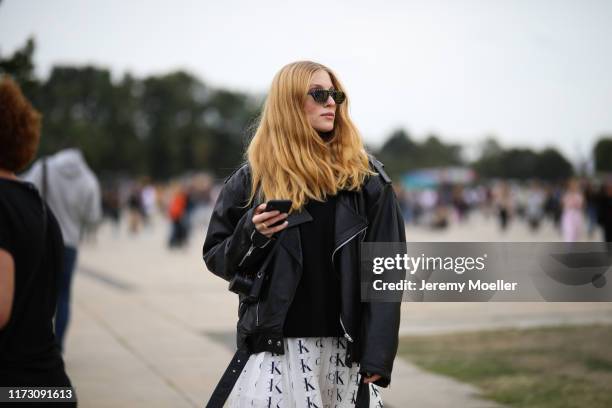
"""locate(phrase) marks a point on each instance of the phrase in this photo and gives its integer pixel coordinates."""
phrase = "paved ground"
(152, 328)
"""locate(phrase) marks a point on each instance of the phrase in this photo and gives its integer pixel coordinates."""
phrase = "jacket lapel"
(290, 238)
(348, 221)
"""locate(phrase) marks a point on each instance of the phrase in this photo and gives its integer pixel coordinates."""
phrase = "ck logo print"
(311, 373)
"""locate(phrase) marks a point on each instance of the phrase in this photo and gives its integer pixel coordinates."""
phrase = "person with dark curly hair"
(31, 249)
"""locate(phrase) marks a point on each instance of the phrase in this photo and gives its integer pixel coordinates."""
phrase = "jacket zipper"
(239, 265)
(346, 334)
(240, 308)
(347, 241)
(246, 255)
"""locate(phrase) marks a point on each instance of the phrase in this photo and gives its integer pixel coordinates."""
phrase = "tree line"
(167, 125)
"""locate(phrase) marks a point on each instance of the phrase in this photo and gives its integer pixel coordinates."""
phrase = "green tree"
(523, 164)
(400, 153)
(20, 66)
(169, 113)
(552, 165)
(433, 153)
(78, 111)
(489, 164)
(232, 117)
(602, 152)
(490, 147)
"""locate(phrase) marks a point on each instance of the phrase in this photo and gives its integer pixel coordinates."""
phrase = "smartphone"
(282, 206)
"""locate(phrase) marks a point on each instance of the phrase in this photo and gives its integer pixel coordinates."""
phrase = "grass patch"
(553, 367)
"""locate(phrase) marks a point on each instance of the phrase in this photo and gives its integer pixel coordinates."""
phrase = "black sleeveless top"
(28, 353)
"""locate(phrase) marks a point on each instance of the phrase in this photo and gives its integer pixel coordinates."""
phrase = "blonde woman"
(304, 337)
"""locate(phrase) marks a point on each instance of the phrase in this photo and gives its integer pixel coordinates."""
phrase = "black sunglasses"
(321, 95)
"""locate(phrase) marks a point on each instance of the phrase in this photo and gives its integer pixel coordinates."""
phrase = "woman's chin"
(325, 129)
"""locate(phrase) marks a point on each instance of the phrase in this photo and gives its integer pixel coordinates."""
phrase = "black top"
(28, 353)
(315, 310)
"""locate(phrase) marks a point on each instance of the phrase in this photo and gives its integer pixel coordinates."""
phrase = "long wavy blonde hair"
(288, 158)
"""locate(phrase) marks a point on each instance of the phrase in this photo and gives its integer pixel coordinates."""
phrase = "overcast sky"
(534, 73)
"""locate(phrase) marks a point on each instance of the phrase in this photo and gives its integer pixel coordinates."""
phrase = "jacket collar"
(348, 220)
(301, 217)
(290, 237)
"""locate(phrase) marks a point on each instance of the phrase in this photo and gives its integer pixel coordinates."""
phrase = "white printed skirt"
(311, 373)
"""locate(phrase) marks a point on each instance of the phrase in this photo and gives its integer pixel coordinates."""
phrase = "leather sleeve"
(228, 248)
(381, 319)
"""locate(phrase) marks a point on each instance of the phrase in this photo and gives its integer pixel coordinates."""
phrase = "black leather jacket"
(369, 215)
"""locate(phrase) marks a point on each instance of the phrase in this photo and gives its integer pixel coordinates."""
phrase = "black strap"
(44, 179)
(44, 204)
(228, 380)
(234, 369)
(380, 169)
(363, 395)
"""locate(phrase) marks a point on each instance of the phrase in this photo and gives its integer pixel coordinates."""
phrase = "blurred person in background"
(488, 204)
(459, 202)
(31, 250)
(72, 191)
(552, 205)
(428, 200)
(519, 194)
(111, 206)
(417, 209)
(135, 209)
(504, 205)
(572, 217)
(405, 203)
(604, 210)
(534, 206)
(178, 209)
(307, 150)
(591, 197)
(440, 217)
(149, 202)
(201, 196)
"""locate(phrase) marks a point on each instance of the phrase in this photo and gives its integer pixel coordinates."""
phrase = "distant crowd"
(577, 208)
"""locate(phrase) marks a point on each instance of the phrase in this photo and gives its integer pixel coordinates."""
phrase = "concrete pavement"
(152, 328)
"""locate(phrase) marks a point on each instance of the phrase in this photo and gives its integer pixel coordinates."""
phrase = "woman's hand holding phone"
(264, 220)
